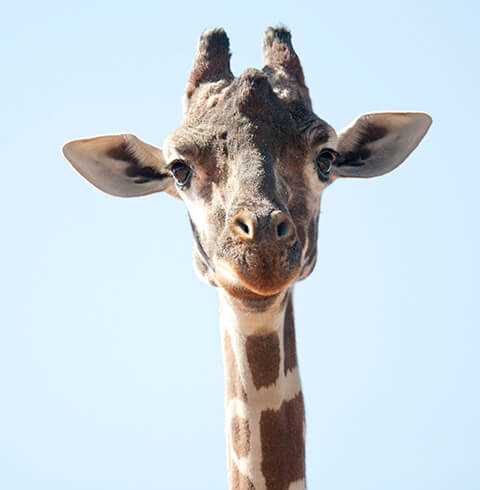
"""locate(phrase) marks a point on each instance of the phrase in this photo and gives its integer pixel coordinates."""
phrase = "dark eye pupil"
(181, 172)
(324, 163)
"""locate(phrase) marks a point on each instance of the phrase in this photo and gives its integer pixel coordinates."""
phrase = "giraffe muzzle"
(258, 271)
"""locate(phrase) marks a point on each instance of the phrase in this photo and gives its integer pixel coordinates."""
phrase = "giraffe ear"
(119, 164)
(377, 143)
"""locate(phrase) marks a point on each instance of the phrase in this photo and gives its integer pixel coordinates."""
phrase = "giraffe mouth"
(246, 286)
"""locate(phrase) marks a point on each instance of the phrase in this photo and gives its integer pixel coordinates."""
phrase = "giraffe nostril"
(282, 229)
(276, 227)
(243, 226)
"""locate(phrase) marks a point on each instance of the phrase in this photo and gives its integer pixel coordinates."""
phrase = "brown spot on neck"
(263, 354)
(289, 344)
(240, 435)
(283, 444)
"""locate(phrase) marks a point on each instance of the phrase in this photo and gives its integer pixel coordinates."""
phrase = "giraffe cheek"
(203, 271)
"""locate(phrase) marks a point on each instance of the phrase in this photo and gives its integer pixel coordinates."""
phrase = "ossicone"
(278, 53)
(212, 60)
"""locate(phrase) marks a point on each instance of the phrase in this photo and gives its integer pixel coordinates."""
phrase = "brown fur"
(254, 93)
(263, 354)
(240, 433)
(283, 445)
(289, 344)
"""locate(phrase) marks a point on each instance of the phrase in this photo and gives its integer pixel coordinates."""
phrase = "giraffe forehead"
(249, 101)
(246, 113)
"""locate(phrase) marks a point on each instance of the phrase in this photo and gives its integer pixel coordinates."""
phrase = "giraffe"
(250, 161)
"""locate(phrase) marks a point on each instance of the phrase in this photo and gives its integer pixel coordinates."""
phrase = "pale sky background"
(110, 363)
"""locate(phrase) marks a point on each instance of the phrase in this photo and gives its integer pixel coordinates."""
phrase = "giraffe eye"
(324, 162)
(181, 172)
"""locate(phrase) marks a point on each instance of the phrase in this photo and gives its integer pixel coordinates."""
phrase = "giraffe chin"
(240, 287)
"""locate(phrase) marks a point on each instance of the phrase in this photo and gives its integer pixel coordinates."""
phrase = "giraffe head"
(250, 160)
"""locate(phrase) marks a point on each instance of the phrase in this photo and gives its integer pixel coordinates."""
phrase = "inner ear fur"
(119, 164)
(375, 144)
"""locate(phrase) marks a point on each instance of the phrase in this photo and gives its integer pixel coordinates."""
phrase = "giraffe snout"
(274, 228)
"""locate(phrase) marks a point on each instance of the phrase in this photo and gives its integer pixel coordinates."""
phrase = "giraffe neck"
(264, 411)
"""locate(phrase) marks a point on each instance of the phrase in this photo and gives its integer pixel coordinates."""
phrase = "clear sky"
(110, 365)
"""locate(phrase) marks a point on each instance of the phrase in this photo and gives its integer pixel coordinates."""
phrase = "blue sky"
(110, 363)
